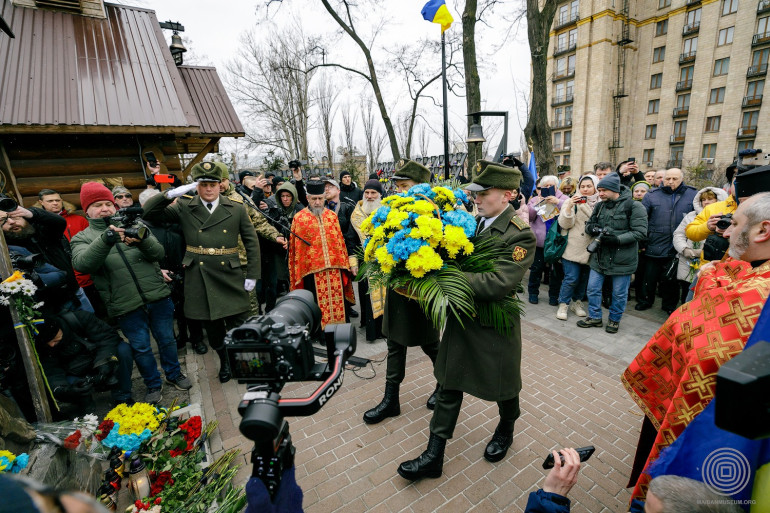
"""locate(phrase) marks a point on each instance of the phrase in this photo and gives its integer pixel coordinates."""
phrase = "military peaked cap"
(206, 172)
(411, 170)
(491, 175)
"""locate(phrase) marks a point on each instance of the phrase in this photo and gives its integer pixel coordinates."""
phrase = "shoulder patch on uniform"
(519, 254)
(519, 223)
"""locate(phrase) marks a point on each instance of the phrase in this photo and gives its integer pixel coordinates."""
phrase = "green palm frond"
(501, 314)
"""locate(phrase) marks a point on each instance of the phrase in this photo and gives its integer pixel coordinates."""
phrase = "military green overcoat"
(405, 322)
(477, 359)
(213, 284)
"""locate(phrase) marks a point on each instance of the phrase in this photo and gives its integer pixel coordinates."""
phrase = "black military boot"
(429, 464)
(389, 407)
(431, 404)
(498, 447)
(224, 367)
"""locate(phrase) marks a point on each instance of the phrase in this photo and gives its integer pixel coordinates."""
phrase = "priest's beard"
(370, 206)
(739, 244)
(316, 211)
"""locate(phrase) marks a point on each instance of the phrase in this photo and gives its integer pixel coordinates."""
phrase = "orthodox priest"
(320, 263)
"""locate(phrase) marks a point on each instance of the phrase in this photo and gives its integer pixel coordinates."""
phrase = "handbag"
(555, 243)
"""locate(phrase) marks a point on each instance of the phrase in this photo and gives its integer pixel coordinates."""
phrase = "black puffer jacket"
(351, 193)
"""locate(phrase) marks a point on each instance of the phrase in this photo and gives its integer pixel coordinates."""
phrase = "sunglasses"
(121, 196)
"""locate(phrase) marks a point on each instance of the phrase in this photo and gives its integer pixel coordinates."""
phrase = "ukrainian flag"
(436, 11)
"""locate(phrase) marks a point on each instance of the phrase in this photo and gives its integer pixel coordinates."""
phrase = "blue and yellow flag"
(436, 11)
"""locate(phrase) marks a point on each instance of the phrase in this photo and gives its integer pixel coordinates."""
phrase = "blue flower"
(20, 463)
(460, 195)
(380, 215)
(462, 219)
(401, 246)
(423, 189)
(125, 442)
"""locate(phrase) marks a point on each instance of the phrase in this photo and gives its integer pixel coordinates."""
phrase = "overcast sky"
(213, 30)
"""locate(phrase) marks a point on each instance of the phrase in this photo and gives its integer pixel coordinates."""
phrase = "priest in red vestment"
(322, 266)
(673, 378)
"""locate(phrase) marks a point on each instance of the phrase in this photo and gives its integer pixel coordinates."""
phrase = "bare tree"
(275, 95)
(349, 121)
(423, 141)
(375, 142)
(403, 126)
(326, 95)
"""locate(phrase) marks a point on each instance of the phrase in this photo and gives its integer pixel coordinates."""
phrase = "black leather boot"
(389, 407)
(224, 367)
(431, 404)
(429, 464)
(498, 447)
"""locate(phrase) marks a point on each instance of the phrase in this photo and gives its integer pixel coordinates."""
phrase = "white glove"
(691, 253)
(180, 191)
(248, 285)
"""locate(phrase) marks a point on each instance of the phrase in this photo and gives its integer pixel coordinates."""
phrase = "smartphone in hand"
(584, 452)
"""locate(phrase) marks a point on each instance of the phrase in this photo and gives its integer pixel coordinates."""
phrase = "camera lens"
(7, 204)
(297, 308)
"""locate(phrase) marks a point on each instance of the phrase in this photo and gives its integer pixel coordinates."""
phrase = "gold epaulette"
(519, 223)
(188, 196)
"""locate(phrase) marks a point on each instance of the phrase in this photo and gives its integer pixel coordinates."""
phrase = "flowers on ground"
(9, 462)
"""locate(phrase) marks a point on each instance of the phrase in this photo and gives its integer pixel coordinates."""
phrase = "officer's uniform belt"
(200, 250)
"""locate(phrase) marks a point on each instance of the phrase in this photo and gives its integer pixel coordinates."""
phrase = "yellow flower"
(394, 219)
(385, 259)
(371, 247)
(429, 229)
(423, 261)
(367, 226)
(395, 201)
(9, 455)
(455, 240)
(16, 276)
(420, 207)
(444, 194)
(134, 419)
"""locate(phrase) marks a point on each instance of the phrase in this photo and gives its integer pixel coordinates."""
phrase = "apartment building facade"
(672, 83)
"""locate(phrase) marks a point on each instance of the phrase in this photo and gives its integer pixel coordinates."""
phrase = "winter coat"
(214, 280)
(536, 223)
(573, 224)
(121, 289)
(665, 211)
(351, 193)
(626, 219)
(546, 502)
(476, 359)
(344, 212)
(681, 242)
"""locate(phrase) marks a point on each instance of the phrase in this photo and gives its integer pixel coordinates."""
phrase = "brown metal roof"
(212, 105)
(73, 73)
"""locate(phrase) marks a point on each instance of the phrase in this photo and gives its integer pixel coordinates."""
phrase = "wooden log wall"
(62, 162)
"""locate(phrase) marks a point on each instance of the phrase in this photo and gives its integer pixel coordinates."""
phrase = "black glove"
(595, 230)
(110, 237)
(105, 374)
(74, 392)
(610, 240)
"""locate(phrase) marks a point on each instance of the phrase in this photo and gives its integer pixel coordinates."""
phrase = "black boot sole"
(430, 474)
(381, 417)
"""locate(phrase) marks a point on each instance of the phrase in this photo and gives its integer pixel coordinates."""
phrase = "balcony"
(561, 149)
(674, 163)
(759, 70)
(680, 112)
(747, 131)
(762, 38)
(560, 100)
(684, 85)
(752, 101)
(562, 49)
(566, 20)
(691, 28)
(560, 75)
(687, 57)
(763, 7)
(676, 138)
(561, 123)
(692, 2)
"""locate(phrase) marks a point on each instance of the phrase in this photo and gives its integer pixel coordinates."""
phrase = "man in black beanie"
(349, 191)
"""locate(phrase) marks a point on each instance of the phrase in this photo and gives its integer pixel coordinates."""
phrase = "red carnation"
(104, 429)
(72, 441)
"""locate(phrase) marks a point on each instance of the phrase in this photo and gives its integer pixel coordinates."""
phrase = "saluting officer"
(404, 323)
(477, 359)
(214, 285)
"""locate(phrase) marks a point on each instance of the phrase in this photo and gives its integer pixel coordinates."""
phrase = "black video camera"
(597, 242)
(25, 262)
(724, 222)
(270, 350)
(7, 204)
(129, 218)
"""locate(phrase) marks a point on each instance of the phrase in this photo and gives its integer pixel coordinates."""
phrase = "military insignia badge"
(401, 163)
(207, 165)
(519, 253)
(478, 167)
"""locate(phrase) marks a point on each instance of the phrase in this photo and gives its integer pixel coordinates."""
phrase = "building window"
(566, 160)
(683, 101)
(750, 119)
(567, 139)
(721, 66)
(762, 26)
(729, 7)
(712, 123)
(659, 54)
(725, 36)
(557, 159)
(693, 18)
(661, 28)
(653, 106)
(717, 95)
(557, 141)
(648, 155)
(676, 155)
(690, 46)
(650, 131)
(568, 115)
(686, 73)
(664, 3)
(656, 81)
(745, 145)
(754, 89)
(709, 151)
(759, 58)
(680, 128)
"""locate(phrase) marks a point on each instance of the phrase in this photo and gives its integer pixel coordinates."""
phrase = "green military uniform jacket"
(477, 359)
(262, 227)
(405, 322)
(213, 284)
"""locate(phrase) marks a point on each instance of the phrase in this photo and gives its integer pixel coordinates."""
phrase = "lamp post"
(476, 134)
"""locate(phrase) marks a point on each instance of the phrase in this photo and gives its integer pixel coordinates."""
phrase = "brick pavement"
(572, 396)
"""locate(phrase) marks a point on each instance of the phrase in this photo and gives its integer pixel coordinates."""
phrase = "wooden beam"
(5, 164)
(205, 151)
(98, 129)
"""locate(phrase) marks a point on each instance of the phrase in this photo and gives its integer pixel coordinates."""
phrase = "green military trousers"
(448, 403)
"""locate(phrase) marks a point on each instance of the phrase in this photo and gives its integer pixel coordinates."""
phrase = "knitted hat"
(120, 190)
(344, 173)
(91, 192)
(611, 182)
(47, 330)
(374, 185)
(244, 174)
(642, 184)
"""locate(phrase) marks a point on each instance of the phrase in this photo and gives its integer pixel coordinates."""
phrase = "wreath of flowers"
(9, 462)
(131, 425)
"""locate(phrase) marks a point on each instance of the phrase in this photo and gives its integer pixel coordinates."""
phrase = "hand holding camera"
(610, 240)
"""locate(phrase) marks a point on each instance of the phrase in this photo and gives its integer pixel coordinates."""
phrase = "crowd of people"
(202, 257)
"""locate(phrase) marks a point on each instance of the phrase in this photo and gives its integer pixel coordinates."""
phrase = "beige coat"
(376, 294)
(575, 225)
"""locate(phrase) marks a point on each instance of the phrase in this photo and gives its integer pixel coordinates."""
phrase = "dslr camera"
(129, 218)
(270, 350)
(724, 222)
(597, 242)
(7, 204)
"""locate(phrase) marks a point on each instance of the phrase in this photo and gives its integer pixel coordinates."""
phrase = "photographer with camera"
(122, 258)
(81, 354)
(618, 223)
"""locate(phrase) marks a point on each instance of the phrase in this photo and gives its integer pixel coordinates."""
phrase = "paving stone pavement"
(572, 396)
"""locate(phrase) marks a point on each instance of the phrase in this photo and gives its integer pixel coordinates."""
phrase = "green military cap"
(207, 172)
(411, 170)
(491, 175)
(224, 171)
